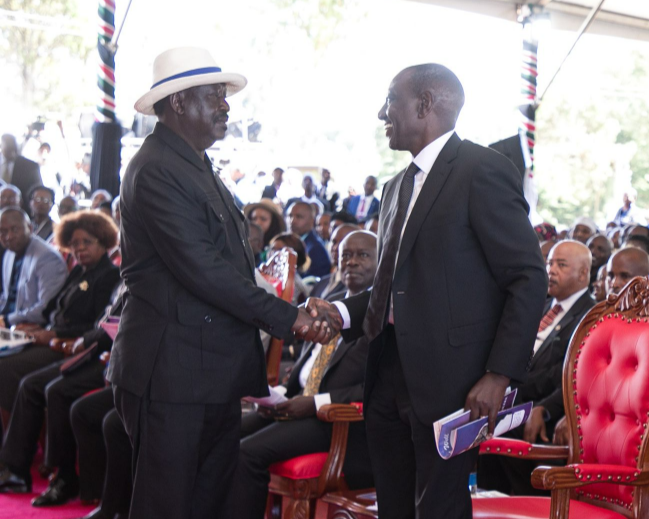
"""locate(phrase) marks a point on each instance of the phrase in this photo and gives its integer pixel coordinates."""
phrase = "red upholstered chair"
(279, 270)
(606, 396)
(303, 480)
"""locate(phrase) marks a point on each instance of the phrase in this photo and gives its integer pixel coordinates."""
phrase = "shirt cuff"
(321, 399)
(344, 313)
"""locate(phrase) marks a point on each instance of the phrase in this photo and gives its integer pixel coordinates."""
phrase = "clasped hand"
(317, 321)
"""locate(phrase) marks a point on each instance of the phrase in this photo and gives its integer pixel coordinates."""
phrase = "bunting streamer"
(527, 108)
(106, 74)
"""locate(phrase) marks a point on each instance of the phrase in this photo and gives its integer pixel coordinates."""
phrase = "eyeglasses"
(42, 200)
(77, 244)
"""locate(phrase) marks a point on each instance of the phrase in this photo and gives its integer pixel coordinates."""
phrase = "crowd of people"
(186, 300)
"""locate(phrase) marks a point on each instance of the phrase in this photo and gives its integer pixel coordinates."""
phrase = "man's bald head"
(445, 87)
(15, 229)
(358, 261)
(623, 266)
(568, 269)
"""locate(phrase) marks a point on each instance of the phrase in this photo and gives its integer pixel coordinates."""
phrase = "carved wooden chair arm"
(58, 343)
(341, 415)
(522, 449)
(581, 474)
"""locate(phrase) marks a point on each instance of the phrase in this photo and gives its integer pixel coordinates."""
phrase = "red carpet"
(18, 506)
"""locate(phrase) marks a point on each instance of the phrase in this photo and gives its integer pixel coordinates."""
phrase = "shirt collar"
(567, 303)
(427, 157)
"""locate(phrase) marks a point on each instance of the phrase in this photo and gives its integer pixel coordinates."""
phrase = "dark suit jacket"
(543, 383)
(25, 176)
(47, 230)
(189, 327)
(269, 192)
(91, 293)
(469, 284)
(317, 252)
(344, 375)
(319, 288)
(351, 206)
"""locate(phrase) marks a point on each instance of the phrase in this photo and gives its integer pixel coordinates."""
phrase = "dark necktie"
(377, 309)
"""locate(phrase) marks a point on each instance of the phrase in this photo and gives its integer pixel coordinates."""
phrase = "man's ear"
(177, 102)
(426, 102)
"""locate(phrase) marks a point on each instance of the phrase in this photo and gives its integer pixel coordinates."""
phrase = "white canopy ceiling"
(622, 18)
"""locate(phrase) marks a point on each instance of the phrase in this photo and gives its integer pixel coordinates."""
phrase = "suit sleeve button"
(208, 319)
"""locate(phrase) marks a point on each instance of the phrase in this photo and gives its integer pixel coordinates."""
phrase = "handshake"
(317, 321)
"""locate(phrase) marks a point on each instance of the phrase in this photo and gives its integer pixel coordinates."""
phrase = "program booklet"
(10, 340)
(276, 397)
(455, 433)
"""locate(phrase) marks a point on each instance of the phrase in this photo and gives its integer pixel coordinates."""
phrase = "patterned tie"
(312, 386)
(376, 311)
(549, 317)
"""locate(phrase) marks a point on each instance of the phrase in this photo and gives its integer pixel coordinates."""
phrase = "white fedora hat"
(185, 67)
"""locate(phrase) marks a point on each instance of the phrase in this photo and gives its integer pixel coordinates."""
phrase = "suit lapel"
(429, 192)
(338, 354)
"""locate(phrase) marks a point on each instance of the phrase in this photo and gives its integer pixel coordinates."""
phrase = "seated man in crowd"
(32, 271)
(582, 229)
(10, 196)
(638, 241)
(601, 249)
(67, 205)
(309, 196)
(322, 226)
(301, 221)
(332, 283)
(41, 201)
(568, 269)
(49, 388)
(622, 267)
(338, 378)
(366, 205)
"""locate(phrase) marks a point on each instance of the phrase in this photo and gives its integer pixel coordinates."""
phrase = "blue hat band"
(189, 73)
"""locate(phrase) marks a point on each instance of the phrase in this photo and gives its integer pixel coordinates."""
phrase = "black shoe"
(97, 513)
(10, 483)
(57, 493)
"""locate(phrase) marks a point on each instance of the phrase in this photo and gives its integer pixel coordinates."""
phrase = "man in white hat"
(188, 347)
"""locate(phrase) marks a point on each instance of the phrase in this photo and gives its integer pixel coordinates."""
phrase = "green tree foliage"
(44, 36)
(593, 142)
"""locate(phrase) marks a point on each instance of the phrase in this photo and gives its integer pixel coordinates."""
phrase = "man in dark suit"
(271, 190)
(301, 221)
(456, 300)
(17, 170)
(568, 267)
(188, 346)
(332, 283)
(365, 206)
(266, 441)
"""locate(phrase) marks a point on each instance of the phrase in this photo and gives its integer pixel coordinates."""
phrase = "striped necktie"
(312, 386)
(549, 317)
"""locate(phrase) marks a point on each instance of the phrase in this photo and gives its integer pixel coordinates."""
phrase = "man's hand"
(310, 329)
(486, 397)
(78, 346)
(535, 426)
(325, 311)
(296, 408)
(561, 432)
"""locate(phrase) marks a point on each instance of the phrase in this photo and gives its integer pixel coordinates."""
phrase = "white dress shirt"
(425, 160)
(566, 305)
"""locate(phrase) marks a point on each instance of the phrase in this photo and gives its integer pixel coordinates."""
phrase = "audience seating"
(280, 271)
(303, 480)
(606, 397)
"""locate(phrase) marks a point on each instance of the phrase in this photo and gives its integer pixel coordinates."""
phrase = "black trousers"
(412, 480)
(87, 416)
(184, 456)
(14, 367)
(47, 388)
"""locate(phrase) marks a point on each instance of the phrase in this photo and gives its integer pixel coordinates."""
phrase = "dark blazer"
(544, 378)
(269, 192)
(91, 293)
(317, 252)
(351, 206)
(469, 285)
(25, 176)
(319, 288)
(46, 231)
(189, 327)
(343, 377)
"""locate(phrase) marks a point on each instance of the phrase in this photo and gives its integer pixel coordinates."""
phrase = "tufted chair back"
(606, 394)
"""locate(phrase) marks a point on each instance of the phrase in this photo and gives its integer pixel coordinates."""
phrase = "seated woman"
(74, 310)
(293, 242)
(267, 216)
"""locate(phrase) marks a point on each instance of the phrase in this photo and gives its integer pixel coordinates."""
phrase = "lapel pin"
(83, 286)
